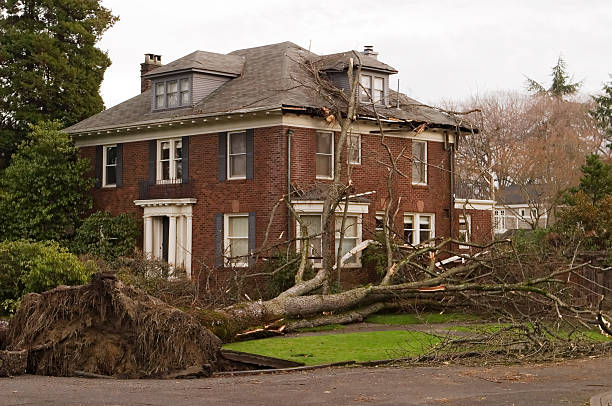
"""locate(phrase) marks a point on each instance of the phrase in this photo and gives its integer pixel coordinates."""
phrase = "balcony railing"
(165, 189)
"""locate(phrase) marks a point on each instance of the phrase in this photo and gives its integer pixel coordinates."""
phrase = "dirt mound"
(108, 328)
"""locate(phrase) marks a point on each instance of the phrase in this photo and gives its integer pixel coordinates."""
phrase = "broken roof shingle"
(203, 61)
(340, 62)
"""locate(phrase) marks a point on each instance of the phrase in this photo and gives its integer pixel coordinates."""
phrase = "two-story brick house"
(213, 141)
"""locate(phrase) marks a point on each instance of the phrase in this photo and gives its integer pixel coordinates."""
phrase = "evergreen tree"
(596, 182)
(50, 68)
(561, 83)
(602, 113)
(44, 192)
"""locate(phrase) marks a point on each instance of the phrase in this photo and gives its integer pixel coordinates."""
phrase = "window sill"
(237, 178)
(420, 184)
(324, 177)
(109, 187)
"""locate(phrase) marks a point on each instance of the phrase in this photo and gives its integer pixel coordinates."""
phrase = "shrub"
(281, 269)
(27, 267)
(106, 236)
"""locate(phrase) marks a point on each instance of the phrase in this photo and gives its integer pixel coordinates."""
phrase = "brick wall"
(269, 183)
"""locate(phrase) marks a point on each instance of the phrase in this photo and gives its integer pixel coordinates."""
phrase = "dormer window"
(372, 86)
(172, 93)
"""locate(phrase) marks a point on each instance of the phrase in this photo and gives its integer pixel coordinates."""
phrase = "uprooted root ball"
(108, 328)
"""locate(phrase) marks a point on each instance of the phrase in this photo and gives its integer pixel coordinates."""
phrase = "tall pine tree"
(50, 68)
(602, 112)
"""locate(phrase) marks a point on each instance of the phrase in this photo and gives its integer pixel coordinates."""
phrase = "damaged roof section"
(268, 77)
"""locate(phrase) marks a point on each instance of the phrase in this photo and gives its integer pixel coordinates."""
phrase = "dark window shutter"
(98, 165)
(152, 161)
(219, 240)
(119, 168)
(252, 238)
(185, 160)
(222, 157)
(249, 152)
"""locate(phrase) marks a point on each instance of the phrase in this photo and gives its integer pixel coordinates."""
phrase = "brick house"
(213, 141)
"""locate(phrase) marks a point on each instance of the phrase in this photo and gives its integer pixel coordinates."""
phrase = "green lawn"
(422, 318)
(329, 348)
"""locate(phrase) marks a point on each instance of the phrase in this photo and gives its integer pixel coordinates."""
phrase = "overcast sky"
(443, 49)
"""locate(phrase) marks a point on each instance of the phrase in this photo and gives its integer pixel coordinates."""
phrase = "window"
(419, 162)
(465, 229)
(354, 149)
(365, 90)
(374, 87)
(237, 239)
(500, 220)
(534, 213)
(418, 228)
(325, 155)
(172, 93)
(380, 222)
(236, 155)
(378, 93)
(109, 175)
(170, 161)
(313, 224)
(522, 212)
(352, 236)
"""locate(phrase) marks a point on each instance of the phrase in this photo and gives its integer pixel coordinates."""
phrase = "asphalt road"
(567, 383)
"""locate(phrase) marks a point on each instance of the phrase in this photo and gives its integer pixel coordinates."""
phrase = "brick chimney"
(151, 62)
(369, 51)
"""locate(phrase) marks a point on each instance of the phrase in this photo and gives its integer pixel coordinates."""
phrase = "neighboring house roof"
(271, 76)
(203, 61)
(520, 194)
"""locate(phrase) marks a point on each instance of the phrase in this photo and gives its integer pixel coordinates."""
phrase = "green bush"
(27, 267)
(106, 236)
(281, 269)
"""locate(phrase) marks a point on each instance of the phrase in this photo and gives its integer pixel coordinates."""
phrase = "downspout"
(289, 134)
(451, 160)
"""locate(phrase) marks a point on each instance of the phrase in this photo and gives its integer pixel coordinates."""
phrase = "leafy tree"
(602, 112)
(50, 68)
(106, 236)
(34, 267)
(597, 180)
(561, 83)
(45, 190)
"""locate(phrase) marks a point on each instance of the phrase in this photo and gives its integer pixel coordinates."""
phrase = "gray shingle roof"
(520, 194)
(271, 76)
(203, 61)
(340, 62)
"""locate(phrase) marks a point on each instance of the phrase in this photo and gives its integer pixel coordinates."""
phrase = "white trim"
(104, 165)
(227, 156)
(358, 239)
(358, 161)
(166, 202)
(468, 221)
(172, 160)
(474, 204)
(331, 134)
(316, 206)
(243, 262)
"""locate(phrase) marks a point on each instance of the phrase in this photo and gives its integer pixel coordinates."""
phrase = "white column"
(188, 236)
(172, 241)
(148, 237)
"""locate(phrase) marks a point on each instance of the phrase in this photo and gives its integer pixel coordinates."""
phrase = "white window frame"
(243, 262)
(499, 217)
(105, 165)
(381, 100)
(358, 238)
(380, 215)
(332, 155)
(298, 232)
(172, 162)
(424, 163)
(350, 149)
(416, 230)
(179, 103)
(230, 155)
(364, 95)
(467, 219)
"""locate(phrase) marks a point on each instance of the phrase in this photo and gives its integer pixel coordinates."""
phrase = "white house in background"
(519, 208)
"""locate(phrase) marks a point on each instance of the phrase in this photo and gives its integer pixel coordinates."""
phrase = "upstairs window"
(325, 155)
(109, 175)
(373, 86)
(419, 162)
(354, 149)
(170, 161)
(236, 155)
(172, 93)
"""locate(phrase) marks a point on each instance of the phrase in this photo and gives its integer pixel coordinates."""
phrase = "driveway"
(566, 383)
